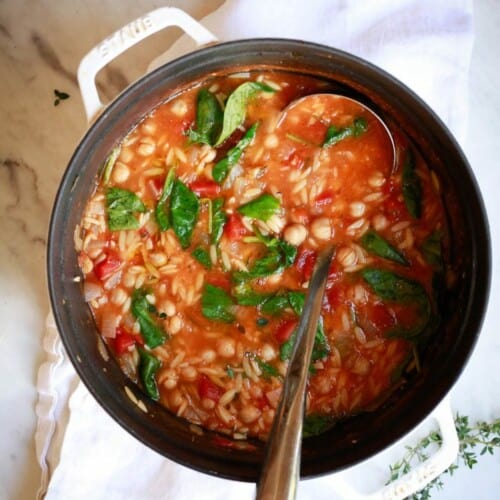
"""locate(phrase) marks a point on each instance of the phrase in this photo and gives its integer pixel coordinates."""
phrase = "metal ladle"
(281, 469)
(333, 101)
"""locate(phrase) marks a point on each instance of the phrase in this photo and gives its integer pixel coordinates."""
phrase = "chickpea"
(208, 356)
(158, 259)
(189, 373)
(249, 414)
(295, 234)
(226, 347)
(347, 256)
(120, 172)
(267, 353)
(321, 228)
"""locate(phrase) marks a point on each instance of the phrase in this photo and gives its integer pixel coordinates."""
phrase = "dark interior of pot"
(356, 438)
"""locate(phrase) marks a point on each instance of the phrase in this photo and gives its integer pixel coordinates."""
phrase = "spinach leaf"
(393, 287)
(120, 208)
(209, 118)
(162, 211)
(432, 251)
(109, 164)
(321, 347)
(335, 135)
(275, 305)
(184, 208)
(148, 367)
(222, 168)
(216, 304)
(316, 424)
(153, 335)
(297, 300)
(219, 218)
(268, 370)
(246, 296)
(374, 243)
(203, 257)
(411, 186)
(262, 208)
(280, 256)
(236, 105)
(271, 263)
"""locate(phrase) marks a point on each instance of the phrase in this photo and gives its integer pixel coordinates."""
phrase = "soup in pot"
(200, 238)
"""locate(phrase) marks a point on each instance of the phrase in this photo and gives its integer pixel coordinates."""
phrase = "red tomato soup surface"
(200, 238)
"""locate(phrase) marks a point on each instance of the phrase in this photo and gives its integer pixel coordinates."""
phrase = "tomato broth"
(200, 238)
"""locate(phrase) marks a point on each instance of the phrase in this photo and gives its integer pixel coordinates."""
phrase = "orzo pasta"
(200, 238)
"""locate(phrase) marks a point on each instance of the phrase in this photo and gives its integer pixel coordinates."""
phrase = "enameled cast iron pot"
(358, 437)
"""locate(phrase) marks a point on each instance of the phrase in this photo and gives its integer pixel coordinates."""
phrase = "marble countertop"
(41, 45)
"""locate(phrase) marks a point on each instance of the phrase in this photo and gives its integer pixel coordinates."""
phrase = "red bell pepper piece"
(107, 266)
(205, 188)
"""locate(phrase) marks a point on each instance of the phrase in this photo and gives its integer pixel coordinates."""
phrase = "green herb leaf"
(316, 424)
(209, 119)
(109, 164)
(120, 208)
(375, 244)
(411, 186)
(152, 334)
(219, 218)
(236, 107)
(203, 257)
(262, 321)
(484, 436)
(222, 168)
(321, 346)
(335, 135)
(262, 208)
(60, 96)
(148, 367)
(246, 296)
(275, 305)
(229, 371)
(184, 209)
(393, 287)
(162, 211)
(216, 304)
(432, 251)
(268, 370)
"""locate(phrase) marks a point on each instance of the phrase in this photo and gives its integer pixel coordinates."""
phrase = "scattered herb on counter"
(60, 96)
(152, 334)
(209, 117)
(335, 135)
(121, 205)
(216, 304)
(222, 168)
(148, 367)
(411, 186)
(375, 244)
(236, 107)
(483, 437)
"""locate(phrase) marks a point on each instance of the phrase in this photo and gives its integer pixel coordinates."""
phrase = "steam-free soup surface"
(199, 241)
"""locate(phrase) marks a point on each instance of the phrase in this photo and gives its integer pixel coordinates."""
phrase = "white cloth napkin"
(426, 44)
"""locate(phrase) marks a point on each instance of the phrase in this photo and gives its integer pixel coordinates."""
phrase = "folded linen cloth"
(426, 44)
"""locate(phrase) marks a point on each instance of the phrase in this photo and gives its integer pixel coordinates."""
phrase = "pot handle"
(421, 475)
(127, 37)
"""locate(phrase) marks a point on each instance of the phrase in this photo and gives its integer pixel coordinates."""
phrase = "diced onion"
(109, 322)
(234, 173)
(91, 291)
(273, 397)
(113, 280)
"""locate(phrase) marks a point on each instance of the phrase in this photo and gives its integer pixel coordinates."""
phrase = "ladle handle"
(281, 469)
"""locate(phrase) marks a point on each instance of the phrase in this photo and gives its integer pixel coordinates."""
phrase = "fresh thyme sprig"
(483, 435)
